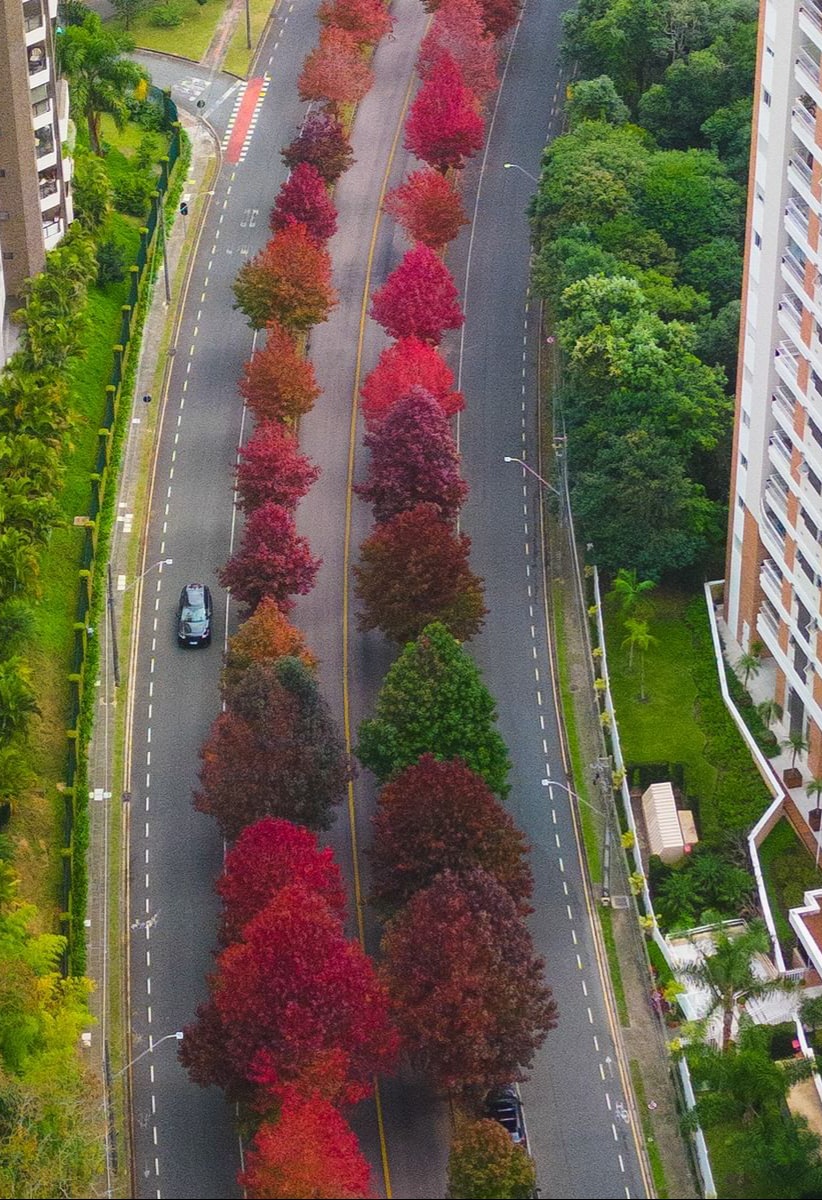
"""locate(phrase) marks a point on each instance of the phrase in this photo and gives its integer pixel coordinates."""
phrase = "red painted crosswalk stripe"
(238, 133)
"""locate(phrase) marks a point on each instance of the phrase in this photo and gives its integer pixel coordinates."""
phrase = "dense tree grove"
(644, 231)
(413, 570)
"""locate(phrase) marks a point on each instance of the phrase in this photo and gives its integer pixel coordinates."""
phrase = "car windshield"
(192, 613)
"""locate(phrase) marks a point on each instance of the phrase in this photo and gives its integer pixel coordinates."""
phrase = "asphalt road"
(575, 1106)
(184, 1139)
(185, 1144)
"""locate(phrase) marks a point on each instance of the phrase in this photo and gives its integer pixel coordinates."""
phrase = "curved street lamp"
(517, 167)
(510, 458)
(178, 1034)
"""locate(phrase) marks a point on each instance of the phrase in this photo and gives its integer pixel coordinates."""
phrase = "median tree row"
(297, 1022)
(451, 878)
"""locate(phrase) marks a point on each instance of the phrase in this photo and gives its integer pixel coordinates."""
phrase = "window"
(743, 462)
(757, 239)
(8, 255)
(746, 418)
(766, 96)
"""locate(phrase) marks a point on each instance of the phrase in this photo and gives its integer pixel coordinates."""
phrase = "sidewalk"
(643, 1036)
(107, 936)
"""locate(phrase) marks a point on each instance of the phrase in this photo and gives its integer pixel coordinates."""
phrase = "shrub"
(166, 16)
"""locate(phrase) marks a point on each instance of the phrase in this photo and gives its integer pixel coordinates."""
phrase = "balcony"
(53, 230)
(796, 223)
(41, 113)
(803, 124)
(49, 194)
(789, 312)
(786, 362)
(768, 620)
(810, 21)
(770, 578)
(782, 406)
(800, 177)
(777, 498)
(807, 75)
(38, 65)
(34, 21)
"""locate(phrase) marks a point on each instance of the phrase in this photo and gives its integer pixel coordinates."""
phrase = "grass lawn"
(238, 58)
(789, 872)
(192, 36)
(683, 718)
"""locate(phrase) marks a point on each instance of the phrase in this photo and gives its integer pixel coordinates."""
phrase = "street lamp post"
(178, 1034)
(509, 458)
(517, 167)
(112, 616)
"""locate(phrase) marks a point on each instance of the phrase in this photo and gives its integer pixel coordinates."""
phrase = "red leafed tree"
(264, 637)
(413, 460)
(419, 298)
(402, 366)
(334, 71)
(428, 207)
(467, 989)
(438, 816)
(274, 752)
(321, 142)
(443, 126)
(498, 16)
(268, 856)
(307, 1153)
(272, 470)
(278, 383)
(288, 281)
(273, 560)
(458, 30)
(414, 570)
(304, 200)
(367, 20)
(293, 1002)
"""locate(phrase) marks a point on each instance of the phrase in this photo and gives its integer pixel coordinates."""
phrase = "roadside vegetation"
(52, 392)
(638, 222)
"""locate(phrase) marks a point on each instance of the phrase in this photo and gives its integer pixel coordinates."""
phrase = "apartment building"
(774, 556)
(35, 192)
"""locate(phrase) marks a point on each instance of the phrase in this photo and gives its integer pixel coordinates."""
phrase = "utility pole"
(247, 24)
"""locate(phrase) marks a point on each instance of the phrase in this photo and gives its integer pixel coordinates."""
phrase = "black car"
(505, 1105)
(194, 613)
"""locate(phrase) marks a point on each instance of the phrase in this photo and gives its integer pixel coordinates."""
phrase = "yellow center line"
(352, 447)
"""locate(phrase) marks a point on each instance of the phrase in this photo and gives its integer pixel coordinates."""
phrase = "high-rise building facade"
(35, 173)
(774, 558)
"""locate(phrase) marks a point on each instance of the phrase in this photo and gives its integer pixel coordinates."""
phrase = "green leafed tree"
(433, 701)
(596, 100)
(91, 57)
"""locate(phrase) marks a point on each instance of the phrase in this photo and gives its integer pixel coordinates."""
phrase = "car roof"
(195, 591)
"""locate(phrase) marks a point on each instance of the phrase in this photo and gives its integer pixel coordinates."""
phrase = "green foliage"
(717, 340)
(166, 16)
(789, 871)
(704, 882)
(92, 191)
(687, 197)
(485, 1162)
(132, 193)
(595, 100)
(433, 701)
(91, 57)
(715, 268)
(111, 263)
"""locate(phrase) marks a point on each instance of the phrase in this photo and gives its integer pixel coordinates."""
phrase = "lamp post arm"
(178, 1034)
(510, 458)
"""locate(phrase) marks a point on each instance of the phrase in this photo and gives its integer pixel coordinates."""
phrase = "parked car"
(505, 1105)
(194, 614)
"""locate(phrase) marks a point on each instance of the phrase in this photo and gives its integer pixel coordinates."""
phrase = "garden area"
(789, 872)
(187, 27)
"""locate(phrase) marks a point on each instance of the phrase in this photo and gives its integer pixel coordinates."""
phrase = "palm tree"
(638, 638)
(770, 712)
(728, 977)
(629, 590)
(814, 788)
(749, 664)
(101, 79)
(797, 743)
(15, 774)
(17, 696)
